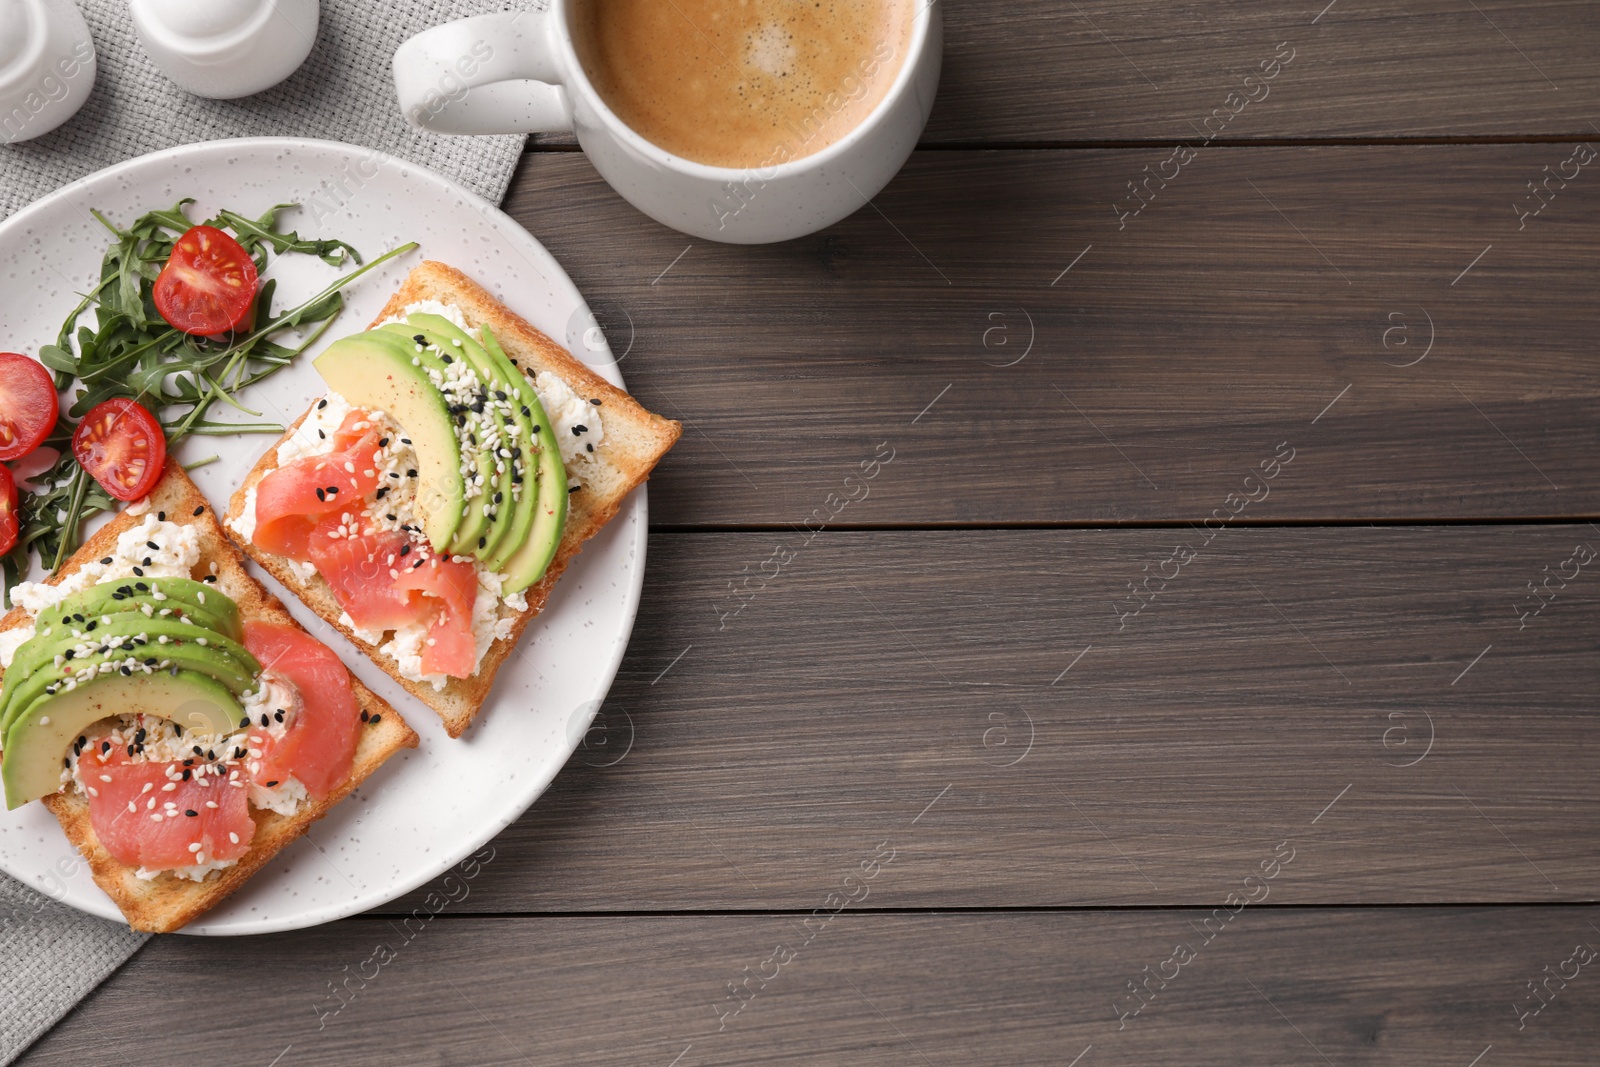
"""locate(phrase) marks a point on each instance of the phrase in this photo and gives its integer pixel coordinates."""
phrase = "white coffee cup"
(47, 66)
(518, 72)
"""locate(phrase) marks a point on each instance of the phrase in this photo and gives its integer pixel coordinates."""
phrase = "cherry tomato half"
(28, 405)
(122, 447)
(208, 285)
(8, 511)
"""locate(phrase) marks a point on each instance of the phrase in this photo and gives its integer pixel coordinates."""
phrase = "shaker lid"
(203, 20)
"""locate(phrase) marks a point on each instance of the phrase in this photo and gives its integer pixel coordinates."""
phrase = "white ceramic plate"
(425, 810)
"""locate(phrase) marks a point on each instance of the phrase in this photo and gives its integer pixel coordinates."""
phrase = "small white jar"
(47, 66)
(224, 49)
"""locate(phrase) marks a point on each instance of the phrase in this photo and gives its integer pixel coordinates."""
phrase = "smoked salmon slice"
(160, 815)
(293, 499)
(319, 744)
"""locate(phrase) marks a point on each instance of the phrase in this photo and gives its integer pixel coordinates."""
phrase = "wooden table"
(1086, 622)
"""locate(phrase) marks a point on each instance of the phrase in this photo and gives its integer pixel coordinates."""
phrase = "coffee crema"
(742, 83)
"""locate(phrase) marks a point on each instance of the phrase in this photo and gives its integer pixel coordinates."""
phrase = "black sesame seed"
(321, 436)
(263, 719)
(187, 774)
(322, 494)
(161, 516)
(92, 625)
(333, 490)
(200, 510)
(374, 720)
(106, 561)
(595, 402)
(138, 571)
(152, 546)
(272, 783)
(322, 403)
(589, 447)
(105, 746)
(482, 541)
(573, 489)
(278, 715)
(383, 442)
(189, 762)
(420, 339)
(190, 812)
(212, 578)
(143, 587)
(578, 429)
(365, 715)
(527, 413)
(405, 549)
(244, 722)
(412, 473)
(446, 357)
(381, 493)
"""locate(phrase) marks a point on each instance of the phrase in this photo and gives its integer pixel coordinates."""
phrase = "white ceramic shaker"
(226, 48)
(47, 66)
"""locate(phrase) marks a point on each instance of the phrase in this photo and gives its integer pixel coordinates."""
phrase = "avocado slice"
(516, 435)
(383, 371)
(220, 657)
(529, 562)
(531, 417)
(481, 526)
(200, 603)
(36, 747)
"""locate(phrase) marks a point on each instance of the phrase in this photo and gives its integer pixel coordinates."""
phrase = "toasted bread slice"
(166, 902)
(635, 439)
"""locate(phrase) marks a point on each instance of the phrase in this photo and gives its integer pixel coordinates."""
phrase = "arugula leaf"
(126, 349)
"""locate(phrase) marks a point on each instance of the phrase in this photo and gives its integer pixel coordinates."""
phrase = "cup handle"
(483, 75)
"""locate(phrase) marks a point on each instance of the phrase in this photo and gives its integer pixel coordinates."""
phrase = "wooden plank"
(888, 685)
(1037, 72)
(1267, 295)
(1272, 986)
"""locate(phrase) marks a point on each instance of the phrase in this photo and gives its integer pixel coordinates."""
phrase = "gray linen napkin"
(54, 956)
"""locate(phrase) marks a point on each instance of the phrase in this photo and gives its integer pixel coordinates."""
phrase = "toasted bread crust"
(166, 903)
(624, 461)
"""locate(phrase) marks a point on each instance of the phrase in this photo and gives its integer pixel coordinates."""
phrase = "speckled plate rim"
(621, 545)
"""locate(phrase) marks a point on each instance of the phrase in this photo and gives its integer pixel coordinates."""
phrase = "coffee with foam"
(742, 83)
